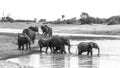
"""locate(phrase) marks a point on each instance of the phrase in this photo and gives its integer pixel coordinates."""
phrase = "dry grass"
(71, 28)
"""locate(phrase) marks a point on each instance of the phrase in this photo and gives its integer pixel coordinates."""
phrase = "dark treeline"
(85, 18)
(9, 19)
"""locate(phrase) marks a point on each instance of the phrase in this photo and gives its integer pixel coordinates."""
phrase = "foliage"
(7, 19)
(114, 20)
(85, 18)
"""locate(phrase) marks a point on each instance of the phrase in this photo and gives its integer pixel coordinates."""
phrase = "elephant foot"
(19, 49)
(30, 49)
(98, 55)
(79, 53)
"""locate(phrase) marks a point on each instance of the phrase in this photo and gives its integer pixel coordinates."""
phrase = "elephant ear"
(91, 45)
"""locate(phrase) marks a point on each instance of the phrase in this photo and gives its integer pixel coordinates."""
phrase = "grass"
(98, 29)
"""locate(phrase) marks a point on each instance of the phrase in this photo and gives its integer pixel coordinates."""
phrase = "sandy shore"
(8, 64)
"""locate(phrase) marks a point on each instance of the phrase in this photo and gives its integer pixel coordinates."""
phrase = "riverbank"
(8, 64)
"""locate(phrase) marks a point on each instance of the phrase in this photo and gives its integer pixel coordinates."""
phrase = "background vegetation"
(85, 18)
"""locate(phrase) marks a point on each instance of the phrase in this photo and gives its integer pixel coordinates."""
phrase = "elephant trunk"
(69, 49)
(98, 51)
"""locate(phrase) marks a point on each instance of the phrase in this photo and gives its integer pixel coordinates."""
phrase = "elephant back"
(31, 34)
(23, 38)
(56, 40)
(43, 28)
(25, 31)
(43, 42)
(33, 28)
(83, 46)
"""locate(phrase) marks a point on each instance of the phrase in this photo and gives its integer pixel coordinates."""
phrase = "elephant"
(31, 34)
(43, 43)
(59, 42)
(46, 30)
(23, 39)
(87, 47)
(33, 28)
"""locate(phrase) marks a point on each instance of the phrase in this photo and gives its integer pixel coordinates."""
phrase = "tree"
(35, 19)
(63, 16)
(85, 18)
(84, 15)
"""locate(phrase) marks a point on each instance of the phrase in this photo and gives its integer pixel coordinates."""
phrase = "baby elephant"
(87, 47)
(43, 43)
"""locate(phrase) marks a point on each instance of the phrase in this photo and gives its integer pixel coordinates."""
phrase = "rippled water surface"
(109, 57)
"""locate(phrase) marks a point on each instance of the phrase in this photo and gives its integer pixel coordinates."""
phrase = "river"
(109, 57)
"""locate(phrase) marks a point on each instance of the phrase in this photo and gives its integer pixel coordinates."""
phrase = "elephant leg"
(26, 46)
(79, 52)
(33, 41)
(29, 47)
(63, 49)
(19, 47)
(40, 49)
(22, 47)
(46, 49)
(51, 48)
(55, 50)
(88, 52)
(91, 52)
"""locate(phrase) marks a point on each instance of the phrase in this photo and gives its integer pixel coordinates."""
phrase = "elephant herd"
(55, 43)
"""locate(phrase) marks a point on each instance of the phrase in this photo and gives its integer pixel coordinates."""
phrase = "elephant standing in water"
(43, 43)
(23, 39)
(46, 30)
(31, 34)
(33, 28)
(59, 42)
(87, 47)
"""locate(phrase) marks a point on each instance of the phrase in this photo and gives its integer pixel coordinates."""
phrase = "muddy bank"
(8, 64)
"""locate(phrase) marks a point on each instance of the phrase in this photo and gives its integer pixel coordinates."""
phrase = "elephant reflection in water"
(88, 61)
(58, 61)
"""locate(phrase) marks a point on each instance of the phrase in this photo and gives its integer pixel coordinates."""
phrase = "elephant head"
(33, 28)
(94, 45)
(46, 30)
(66, 42)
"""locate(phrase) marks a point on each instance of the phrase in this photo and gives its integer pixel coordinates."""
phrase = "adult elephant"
(23, 39)
(59, 42)
(31, 34)
(46, 30)
(34, 28)
(87, 47)
(43, 43)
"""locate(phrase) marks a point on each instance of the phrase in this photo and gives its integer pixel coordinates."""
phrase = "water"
(109, 57)
(8, 30)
